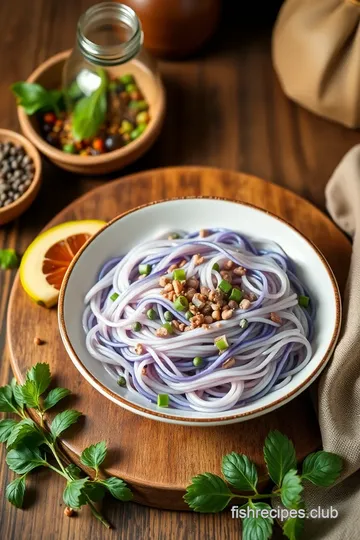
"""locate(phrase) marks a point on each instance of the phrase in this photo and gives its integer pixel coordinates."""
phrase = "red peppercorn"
(98, 144)
(50, 118)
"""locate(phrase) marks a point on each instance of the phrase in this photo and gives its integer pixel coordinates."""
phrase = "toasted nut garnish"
(230, 362)
(190, 293)
(208, 319)
(192, 283)
(182, 327)
(178, 287)
(169, 287)
(205, 326)
(226, 275)
(203, 233)
(68, 512)
(182, 263)
(207, 309)
(172, 268)
(216, 315)
(164, 281)
(229, 265)
(38, 341)
(239, 271)
(233, 304)
(275, 317)
(198, 259)
(197, 320)
(245, 304)
(193, 309)
(187, 328)
(139, 349)
(205, 291)
(162, 332)
(143, 371)
(227, 314)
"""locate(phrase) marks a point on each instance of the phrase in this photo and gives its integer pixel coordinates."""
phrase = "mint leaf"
(54, 396)
(30, 394)
(279, 454)
(24, 460)
(240, 472)
(25, 432)
(74, 494)
(8, 259)
(90, 111)
(15, 491)
(207, 493)
(257, 527)
(118, 488)
(291, 489)
(293, 527)
(73, 471)
(6, 427)
(322, 468)
(34, 97)
(17, 394)
(41, 376)
(94, 455)
(95, 491)
(63, 421)
(7, 403)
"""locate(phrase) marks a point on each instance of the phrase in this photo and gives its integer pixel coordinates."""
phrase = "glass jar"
(109, 52)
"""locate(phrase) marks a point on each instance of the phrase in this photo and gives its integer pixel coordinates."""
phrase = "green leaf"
(95, 491)
(6, 427)
(94, 455)
(291, 489)
(17, 393)
(74, 494)
(63, 421)
(30, 394)
(257, 527)
(8, 259)
(207, 493)
(90, 111)
(23, 460)
(73, 471)
(34, 97)
(293, 527)
(279, 454)
(54, 396)
(118, 488)
(25, 432)
(15, 491)
(7, 403)
(322, 468)
(240, 472)
(41, 376)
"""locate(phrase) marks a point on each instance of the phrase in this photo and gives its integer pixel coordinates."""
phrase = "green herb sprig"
(90, 111)
(8, 259)
(30, 445)
(210, 493)
(34, 97)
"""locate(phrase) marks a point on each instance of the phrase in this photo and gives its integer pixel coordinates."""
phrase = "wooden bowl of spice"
(20, 174)
(92, 159)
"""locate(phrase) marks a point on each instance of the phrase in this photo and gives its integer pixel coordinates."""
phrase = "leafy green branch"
(210, 493)
(29, 445)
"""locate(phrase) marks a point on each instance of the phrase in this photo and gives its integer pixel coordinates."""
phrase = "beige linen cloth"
(339, 388)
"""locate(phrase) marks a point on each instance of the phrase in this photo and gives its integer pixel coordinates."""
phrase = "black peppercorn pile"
(16, 172)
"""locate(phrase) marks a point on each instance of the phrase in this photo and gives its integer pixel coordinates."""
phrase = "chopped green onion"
(174, 236)
(198, 361)
(222, 343)
(114, 296)
(168, 316)
(163, 400)
(304, 301)
(244, 323)
(181, 303)
(179, 274)
(145, 269)
(136, 327)
(225, 286)
(121, 381)
(169, 327)
(151, 314)
(236, 295)
(188, 315)
(216, 267)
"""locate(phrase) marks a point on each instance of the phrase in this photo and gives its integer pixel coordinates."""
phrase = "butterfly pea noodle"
(231, 325)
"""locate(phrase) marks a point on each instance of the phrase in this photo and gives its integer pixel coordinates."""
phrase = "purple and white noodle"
(268, 336)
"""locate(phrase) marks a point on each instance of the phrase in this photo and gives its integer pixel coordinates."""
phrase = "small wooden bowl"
(49, 75)
(13, 210)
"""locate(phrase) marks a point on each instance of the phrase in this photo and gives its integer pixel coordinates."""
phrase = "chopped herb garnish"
(188, 315)
(216, 267)
(8, 259)
(145, 269)
(179, 274)
(225, 286)
(181, 303)
(236, 295)
(222, 343)
(114, 296)
(163, 400)
(304, 301)
(169, 327)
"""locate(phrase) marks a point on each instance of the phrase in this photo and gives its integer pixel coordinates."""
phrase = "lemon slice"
(46, 260)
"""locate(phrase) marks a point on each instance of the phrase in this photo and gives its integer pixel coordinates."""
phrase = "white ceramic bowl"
(151, 220)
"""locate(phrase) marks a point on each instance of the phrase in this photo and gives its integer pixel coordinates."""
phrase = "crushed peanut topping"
(227, 314)
(245, 304)
(239, 271)
(230, 362)
(229, 265)
(178, 286)
(203, 233)
(162, 332)
(139, 349)
(182, 263)
(275, 318)
(197, 320)
(172, 268)
(198, 259)
(164, 281)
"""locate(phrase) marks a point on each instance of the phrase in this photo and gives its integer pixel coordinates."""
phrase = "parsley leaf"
(207, 493)
(6, 427)
(63, 421)
(17, 394)
(74, 495)
(54, 396)
(34, 97)
(118, 488)
(293, 527)
(7, 403)
(8, 259)
(279, 454)
(94, 455)
(30, 394)
(90, 111)
(257, 526)
(322, 468)
(240, 472)
(291, 489)
(15, 491)
(25, 432)
(24, 460)
(41, 376)
(73, 471)
(95, 491)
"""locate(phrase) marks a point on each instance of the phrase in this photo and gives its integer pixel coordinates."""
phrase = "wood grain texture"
(158, 459)
(225, 109)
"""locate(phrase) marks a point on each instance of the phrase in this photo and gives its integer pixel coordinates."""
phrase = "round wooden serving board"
(158, 459)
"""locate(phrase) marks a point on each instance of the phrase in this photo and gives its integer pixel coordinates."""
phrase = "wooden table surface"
(225, 109)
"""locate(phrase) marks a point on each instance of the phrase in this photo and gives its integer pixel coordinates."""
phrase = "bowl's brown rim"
(256, 412)
(35, 184)
(59, 155)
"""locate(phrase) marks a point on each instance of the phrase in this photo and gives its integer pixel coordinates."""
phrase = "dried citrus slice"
(46, 260)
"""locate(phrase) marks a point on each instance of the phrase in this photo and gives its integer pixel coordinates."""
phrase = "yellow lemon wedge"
(46, 260)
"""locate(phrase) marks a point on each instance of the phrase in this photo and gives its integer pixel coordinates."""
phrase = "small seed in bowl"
(16, 172)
